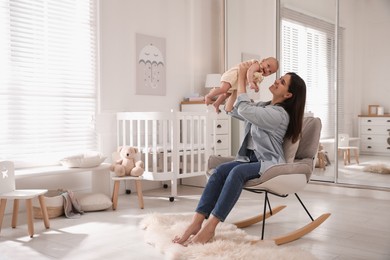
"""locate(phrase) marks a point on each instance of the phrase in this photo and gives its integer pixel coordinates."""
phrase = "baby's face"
(268, 66)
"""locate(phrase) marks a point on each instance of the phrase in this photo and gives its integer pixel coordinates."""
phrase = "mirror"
(364, 36)
(355, 142)
(347, 81)
(308, 47)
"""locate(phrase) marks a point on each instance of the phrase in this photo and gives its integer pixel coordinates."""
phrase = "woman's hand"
(241, 81)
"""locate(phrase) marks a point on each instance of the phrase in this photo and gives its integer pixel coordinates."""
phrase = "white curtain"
(48, 79)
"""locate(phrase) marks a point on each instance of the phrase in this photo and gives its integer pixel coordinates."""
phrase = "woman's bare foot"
(206, 233)
(192, 229)
(202, 237)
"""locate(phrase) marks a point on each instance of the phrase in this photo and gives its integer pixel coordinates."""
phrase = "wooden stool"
(138, 185)
(346, 153)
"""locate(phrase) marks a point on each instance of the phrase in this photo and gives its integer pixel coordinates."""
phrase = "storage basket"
(54, 204)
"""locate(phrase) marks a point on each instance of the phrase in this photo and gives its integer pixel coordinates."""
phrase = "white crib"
(173, 145)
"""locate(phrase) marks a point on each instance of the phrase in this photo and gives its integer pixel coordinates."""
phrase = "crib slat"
(154, 143)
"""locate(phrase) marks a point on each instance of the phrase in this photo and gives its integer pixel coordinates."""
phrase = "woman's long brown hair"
(295, 106)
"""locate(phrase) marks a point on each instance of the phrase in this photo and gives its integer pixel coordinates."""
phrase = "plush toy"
(127, 165)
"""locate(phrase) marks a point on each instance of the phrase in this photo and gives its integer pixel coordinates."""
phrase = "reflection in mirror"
(345, 88)
(308, 47)
(364, 37)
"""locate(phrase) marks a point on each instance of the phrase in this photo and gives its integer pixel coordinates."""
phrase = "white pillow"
(93, 201)
(83, 160)
(290, 149)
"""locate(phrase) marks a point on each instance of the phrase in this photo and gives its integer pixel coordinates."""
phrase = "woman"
(266, 126)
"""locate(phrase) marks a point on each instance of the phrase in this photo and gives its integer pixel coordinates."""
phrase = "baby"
(228, 88)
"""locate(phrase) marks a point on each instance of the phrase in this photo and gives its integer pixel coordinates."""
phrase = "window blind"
(308, 48)
(48, 79)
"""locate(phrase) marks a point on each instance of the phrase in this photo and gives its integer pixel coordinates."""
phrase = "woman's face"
(280, 88)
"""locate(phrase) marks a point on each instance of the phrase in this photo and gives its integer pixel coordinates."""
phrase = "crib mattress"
(181, 148)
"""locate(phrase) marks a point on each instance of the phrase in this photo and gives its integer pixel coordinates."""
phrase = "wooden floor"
(354, 174)
(357, 229)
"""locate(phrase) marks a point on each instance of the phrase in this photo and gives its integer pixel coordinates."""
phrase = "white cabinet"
(222, 126)
(374, 133)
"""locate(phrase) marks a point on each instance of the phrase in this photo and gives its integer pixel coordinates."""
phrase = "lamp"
(213, 80)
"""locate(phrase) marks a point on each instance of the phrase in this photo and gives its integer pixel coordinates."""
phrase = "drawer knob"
(369, 138)
(369, 147)
(219, 141)
(388, 140)
(369, 120)
(219, 126)
(369, 129)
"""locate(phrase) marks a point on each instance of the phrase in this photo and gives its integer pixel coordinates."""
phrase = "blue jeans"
(225, 185)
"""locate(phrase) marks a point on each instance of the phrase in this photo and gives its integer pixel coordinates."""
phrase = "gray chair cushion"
(290, 150)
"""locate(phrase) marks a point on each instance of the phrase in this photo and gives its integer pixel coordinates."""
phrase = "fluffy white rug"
(378, 168)
(229, 242)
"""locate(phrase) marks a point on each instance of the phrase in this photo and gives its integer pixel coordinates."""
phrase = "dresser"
(222, 126)
(374, 133)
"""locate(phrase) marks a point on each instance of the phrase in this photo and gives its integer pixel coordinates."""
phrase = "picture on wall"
(151, 65)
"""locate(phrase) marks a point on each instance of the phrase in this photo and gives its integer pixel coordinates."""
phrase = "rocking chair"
(284, 179)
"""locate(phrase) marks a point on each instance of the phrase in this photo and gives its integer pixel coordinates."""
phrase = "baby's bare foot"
(217, 110)
(208, 100)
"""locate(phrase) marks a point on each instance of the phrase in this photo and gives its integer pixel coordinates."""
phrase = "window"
(308, 48)
(48, 80)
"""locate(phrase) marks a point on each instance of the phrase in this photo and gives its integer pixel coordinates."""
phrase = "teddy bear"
(127, 165)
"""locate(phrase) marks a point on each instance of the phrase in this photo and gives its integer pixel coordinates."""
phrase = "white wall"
(251, 29)
(366, 57)
(192, 30)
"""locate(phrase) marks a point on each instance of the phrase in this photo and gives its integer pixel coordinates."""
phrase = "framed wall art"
(151, 66)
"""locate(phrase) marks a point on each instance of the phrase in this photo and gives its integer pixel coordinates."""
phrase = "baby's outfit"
(231, 76)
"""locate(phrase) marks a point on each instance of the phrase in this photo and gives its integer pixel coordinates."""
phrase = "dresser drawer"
(222, 142)
(221, 126)
(375, 129)
(374, 121)
(374, 138)
(374, 147)
(222, 152)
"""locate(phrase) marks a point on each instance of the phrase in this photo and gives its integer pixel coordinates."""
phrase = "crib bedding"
(168, 148)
